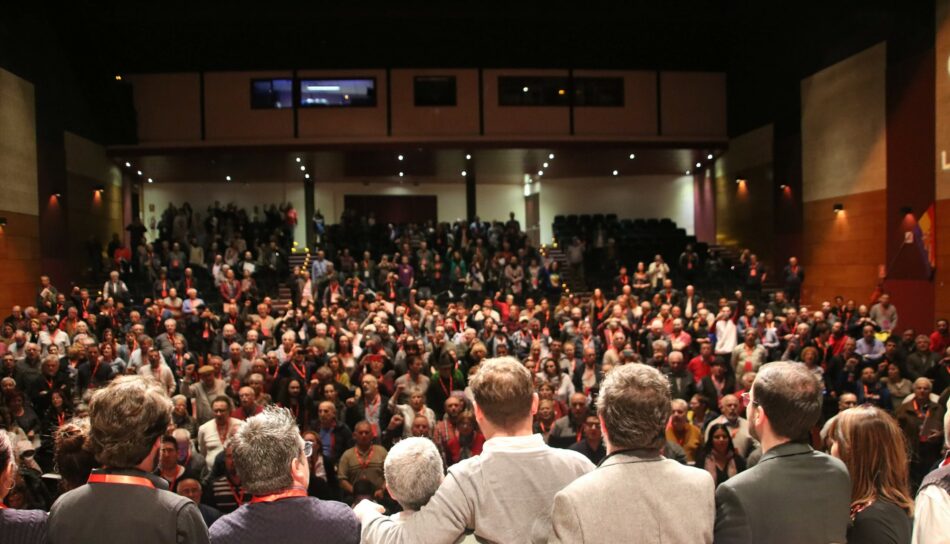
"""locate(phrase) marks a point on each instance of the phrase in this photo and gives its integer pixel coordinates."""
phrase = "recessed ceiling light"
(633, 156)
(545, 165)
(128, 164)
(399, 157)
(227, 178)
(306, 176)
(524, 89)
(710, 156)
(118, 77)
(687, 172)
(468, 157)
(401, 174)
(298, 159)
(616, 173)
(551, 156)
(464, 173)
(540, 172)
(139, 172)
(303, 168)
(150, 180)
(698, 164)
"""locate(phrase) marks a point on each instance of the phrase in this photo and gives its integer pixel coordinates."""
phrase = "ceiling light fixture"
(401, 174)
(306, 176)
(710, 156)
(298, 159)
(616, 173)
(128, 164)
(633, 156)
(227, 178)
(464, 173)
(303, 168)
(699, 165)
(687, 172)
(545, 165)
(150, 180)
(139, 172)
(838, 207)
(399, 157)
(468, 156)
(551, 156)
(540, 172)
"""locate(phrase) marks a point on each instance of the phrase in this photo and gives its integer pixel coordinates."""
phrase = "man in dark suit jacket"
(682, 383)
(370, 405)
(794, 495)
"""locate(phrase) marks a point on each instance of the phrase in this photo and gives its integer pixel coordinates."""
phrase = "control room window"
(269, 94)
(357, 92)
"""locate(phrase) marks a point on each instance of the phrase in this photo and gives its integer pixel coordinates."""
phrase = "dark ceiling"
(74, 49)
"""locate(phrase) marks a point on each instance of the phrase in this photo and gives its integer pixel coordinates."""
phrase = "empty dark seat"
(572, 219)
(558, 219)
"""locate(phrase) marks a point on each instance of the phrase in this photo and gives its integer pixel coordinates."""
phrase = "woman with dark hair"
(872, 446)
(71, 460)
(60, 411)
(719, 456)
(293, 396)
(16, 525)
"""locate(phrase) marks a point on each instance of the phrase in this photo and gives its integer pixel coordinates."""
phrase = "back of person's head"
(72, 461)
(7, 456)
(263, 450)
(872, 446)
(413, 469)
(503, 390)
(790, 395)
(126, 419)
(634, 404)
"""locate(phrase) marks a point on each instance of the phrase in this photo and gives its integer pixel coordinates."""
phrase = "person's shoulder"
(332, 510)
(571, 457)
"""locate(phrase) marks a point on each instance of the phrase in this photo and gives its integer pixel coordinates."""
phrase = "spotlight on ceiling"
(551, 156)
(401, 174)
(128, 164)
(298, 159)
(306, 176)
(699, 165)
(468, 156)
(710, 156)
(545, 165)
(399, 157)
(464, 173)
(227, 178)
(633, 156)
(540, 172)
(150, 180)
(139, 172)
(616, 173)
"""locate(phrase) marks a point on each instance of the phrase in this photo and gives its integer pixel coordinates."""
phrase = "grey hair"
(263, 449)
(413, 469)
(634, 403)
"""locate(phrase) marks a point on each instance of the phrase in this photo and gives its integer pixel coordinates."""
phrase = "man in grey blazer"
(504, 494)
(636, 494)
(794, 495)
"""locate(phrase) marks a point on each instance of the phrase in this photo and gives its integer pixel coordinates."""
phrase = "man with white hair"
(413, 470)
(280, 510)
(932, 506)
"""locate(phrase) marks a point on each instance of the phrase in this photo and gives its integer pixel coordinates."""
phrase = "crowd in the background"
(383, 341)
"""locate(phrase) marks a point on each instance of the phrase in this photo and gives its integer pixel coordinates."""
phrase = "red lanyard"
(120, 479)
(921, 415)
(61, 418)
(239, 499)
(273, 497)
(363, 461)
(302, 373)
(541, 425)
(450, 389)
(227, 430)
(171, 483)
(50, 384)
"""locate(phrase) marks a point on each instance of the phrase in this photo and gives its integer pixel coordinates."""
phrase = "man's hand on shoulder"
(366, 508)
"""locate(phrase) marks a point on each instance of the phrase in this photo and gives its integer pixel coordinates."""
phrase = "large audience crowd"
(441, 380)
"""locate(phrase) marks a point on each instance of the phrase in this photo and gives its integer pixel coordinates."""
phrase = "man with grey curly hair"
(635, 494)
(270, 457)
(124, 501)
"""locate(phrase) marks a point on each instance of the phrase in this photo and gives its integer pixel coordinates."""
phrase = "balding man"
(363, 462)
(569, 429)
(165, 342)
(738, 426)
(506, 493)
(335, 436)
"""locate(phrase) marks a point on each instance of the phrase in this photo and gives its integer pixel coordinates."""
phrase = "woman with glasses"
(872, 446)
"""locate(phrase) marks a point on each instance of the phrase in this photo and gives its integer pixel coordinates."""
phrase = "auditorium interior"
(592, 142)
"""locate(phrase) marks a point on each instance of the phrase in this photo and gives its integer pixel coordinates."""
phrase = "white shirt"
(209, 441)
(932, 517)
